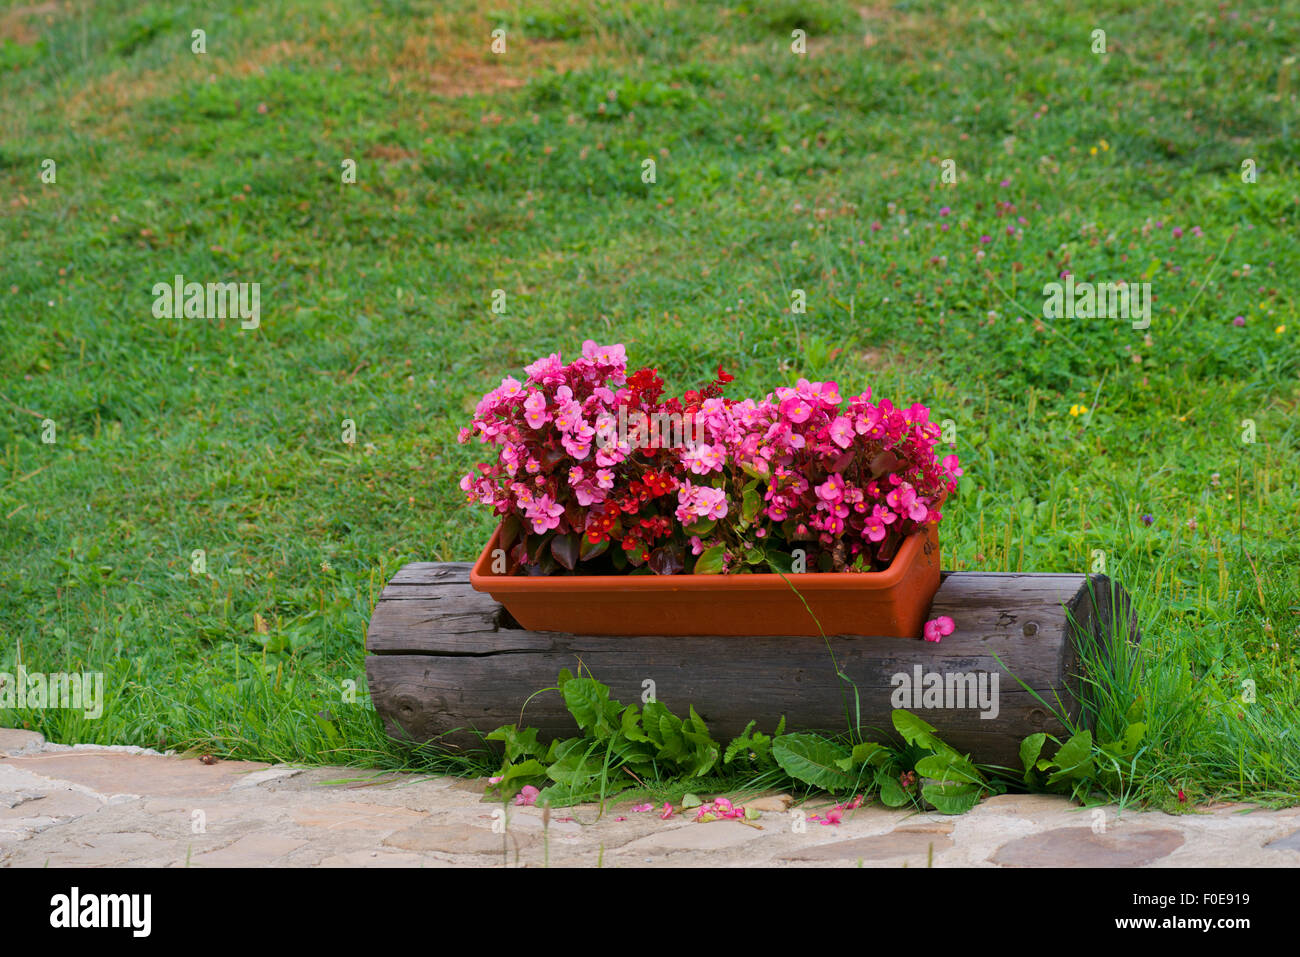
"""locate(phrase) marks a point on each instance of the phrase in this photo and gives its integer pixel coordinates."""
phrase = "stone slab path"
(91, 806)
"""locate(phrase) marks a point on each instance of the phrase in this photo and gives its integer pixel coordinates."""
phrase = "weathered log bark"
(448, 663)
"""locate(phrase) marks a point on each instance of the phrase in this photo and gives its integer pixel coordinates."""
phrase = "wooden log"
(448, 663)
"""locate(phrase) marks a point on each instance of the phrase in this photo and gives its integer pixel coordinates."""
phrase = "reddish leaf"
(668, 560)
(565, 549)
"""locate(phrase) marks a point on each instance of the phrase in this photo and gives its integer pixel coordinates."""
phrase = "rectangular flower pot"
(892, 603)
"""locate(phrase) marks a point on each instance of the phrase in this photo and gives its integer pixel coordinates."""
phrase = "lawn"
(199, 530)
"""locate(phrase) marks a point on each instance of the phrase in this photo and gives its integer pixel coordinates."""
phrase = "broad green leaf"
(951, 798)
(1074, 759)
(631, 725)
(812, 760)
(891, 792)
(750, 503)
(654, 710)
(1133, 736)
(915, 731)
(947, 767)
(589, 703)
(565, 795)
(710, 561)
(514, 777)
(1030, 749)
(578, 765)
(588, 550)
(690, 800)
(518, 743)
(779, 562)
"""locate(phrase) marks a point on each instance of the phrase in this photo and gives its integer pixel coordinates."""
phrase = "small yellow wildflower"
(1077, 410)
(1281, 329)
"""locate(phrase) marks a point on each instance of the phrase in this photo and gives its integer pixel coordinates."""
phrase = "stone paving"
(90, 806)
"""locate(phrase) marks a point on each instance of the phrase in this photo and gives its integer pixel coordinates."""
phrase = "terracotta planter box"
(892, 603)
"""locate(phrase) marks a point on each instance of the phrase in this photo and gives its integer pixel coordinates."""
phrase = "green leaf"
(1074, 759)
(589, 702)
(705, 751)
(631, 725)
(565, 795)
(702, 527)
(948, 766)
(779, 562)
(750, 503)
(750, 742)
(1127, 746)
(518, 743)
(588, 551)
(868, 752)
(891, 792)
(515, 776)
(812, 760)
(690, 800)
(577, 765)
(1030, 749)
(654, 710)
(951, 798)
(710, 562)
(915, 731)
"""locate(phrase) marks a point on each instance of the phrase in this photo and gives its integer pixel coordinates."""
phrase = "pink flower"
(642, 808)
(527, 796)
(904, 499)
(667, 812)
(696, 502)
(546, 371)
(535, 410)
(936, 629)
(496, 779)
(703, 458)
(614, 355)
(545, 513)
(796, 408)
(842, 431)
(587, 494)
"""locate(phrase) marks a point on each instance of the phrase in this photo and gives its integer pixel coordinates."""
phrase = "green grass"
(523, 173)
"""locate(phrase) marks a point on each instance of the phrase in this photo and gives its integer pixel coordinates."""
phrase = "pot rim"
(481, 580)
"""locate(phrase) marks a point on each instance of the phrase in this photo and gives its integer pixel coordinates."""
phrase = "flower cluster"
(839, 482)
(565, 482)
(846, 479)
